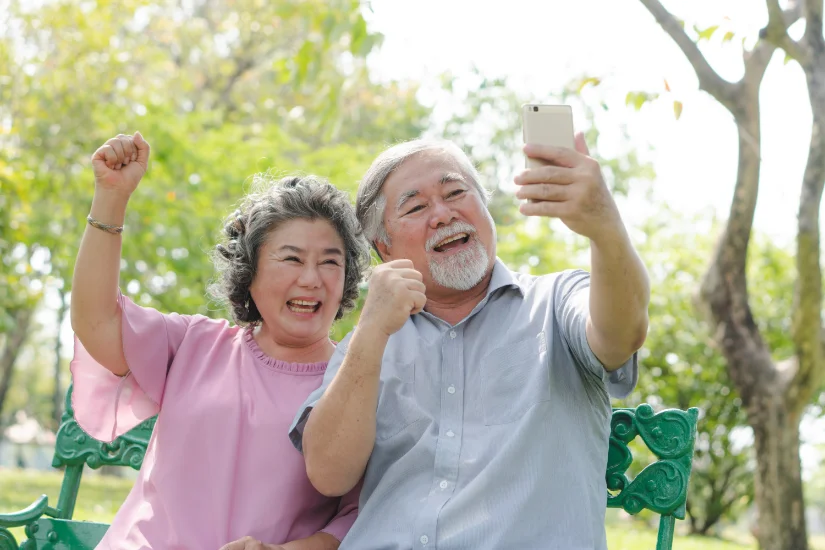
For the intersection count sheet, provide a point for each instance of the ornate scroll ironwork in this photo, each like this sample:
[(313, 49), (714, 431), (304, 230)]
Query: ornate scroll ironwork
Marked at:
[(74, 446), (662, 486)]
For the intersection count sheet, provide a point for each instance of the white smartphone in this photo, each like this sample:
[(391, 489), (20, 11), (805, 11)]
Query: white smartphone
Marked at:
[(547, 125)]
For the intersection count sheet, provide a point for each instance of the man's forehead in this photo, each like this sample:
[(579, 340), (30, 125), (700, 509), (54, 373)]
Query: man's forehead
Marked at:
[(431, 166)]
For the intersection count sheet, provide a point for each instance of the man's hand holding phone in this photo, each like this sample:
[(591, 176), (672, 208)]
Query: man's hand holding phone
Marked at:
[(568, 184)]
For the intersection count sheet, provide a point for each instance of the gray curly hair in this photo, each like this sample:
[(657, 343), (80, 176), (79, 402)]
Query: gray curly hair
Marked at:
[(270, 203)]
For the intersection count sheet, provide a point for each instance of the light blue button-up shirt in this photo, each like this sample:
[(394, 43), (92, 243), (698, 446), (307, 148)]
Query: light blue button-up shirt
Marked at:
[(493, 433)]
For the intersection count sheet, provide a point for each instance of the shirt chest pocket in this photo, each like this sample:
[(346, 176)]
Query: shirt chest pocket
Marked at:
[(397, 404), (514, 378)]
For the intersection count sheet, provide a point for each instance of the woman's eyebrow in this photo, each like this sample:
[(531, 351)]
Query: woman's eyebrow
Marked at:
[(298, 250)]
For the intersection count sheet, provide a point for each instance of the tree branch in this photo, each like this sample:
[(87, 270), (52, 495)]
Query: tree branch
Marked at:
[(776, 31), (709, 79)]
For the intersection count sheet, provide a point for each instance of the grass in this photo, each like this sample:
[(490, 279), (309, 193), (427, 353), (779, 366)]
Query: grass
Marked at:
[(100, 497)]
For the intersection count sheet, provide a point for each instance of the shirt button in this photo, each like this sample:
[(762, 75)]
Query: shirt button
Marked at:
[(424, 539), (450, 433), (451, 389), (452, 334), (443, 484)]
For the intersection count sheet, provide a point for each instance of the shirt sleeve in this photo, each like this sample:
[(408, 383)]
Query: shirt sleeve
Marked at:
[(296, 430), (340, 525), (572, 308), (106, 405)]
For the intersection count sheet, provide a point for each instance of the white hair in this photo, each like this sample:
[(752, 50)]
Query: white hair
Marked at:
[(371, 202)]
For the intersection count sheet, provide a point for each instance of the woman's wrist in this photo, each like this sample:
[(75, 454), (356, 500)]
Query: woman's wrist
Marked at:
[(109, 207)]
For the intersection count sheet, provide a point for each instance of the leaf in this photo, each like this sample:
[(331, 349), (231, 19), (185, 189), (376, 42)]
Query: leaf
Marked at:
[(638, 99), (728, 36), (677, 109), (302, 61), (787, 59), (360, 44), (707, 33), (588, 81)]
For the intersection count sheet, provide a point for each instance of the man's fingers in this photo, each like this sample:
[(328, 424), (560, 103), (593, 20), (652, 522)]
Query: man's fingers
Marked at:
[(416, 286), (557, 156), (581, 145), (400, 264), (246, 543), (544, 192), (419, 301), (410, 273), (546, 174), (545, 208)]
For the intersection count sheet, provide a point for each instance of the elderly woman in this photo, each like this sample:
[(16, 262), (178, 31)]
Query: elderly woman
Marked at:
[(219, 466)]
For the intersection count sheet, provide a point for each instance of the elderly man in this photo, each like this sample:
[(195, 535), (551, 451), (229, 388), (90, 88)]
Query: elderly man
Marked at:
[(474, 400)]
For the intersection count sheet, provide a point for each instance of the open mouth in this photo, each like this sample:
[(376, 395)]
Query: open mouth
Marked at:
[(452, 242), (303, 306)]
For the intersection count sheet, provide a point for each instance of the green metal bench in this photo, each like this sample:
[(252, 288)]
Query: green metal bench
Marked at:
[(52, 528), (660, 487)]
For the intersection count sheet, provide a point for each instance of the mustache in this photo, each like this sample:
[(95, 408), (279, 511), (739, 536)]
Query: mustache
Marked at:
[(448, 231)]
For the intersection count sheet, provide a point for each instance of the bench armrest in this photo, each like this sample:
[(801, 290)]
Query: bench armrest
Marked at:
[(30, 514)]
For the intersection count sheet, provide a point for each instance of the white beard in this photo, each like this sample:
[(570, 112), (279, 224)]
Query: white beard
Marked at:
[(461, 271)]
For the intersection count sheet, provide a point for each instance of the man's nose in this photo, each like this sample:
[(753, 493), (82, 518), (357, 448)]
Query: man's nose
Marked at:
[(442, 214)]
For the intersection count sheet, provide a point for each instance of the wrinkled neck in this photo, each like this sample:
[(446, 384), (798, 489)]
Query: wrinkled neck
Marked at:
[(309, 351)]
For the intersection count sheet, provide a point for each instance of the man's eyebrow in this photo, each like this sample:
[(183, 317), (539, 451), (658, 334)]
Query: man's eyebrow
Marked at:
[(452, 177), (298, 250), (449, 177), (405, 196)]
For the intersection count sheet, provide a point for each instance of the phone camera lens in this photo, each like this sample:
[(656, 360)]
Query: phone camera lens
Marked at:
[(535, 109)]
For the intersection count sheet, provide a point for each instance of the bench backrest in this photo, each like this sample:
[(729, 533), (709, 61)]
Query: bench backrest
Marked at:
[(662, 486)]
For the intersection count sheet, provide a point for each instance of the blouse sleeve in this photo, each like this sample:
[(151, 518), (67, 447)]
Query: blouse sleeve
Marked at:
[(106, 405), (340, 525)]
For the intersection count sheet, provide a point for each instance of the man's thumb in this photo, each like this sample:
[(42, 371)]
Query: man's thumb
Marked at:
[(581, 145)]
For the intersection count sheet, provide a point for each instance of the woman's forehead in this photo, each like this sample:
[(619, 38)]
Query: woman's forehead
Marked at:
[(314, 234)]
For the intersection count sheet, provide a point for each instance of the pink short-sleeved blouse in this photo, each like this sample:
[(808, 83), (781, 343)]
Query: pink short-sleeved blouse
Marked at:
[(219, 465)]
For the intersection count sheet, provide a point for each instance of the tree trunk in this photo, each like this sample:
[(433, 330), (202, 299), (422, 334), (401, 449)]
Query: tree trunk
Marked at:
[(57, 397), (781, 510), (775, 395), (14, 342)]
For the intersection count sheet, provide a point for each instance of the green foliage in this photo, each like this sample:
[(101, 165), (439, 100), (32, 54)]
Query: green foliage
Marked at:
[(682, 368), (220, 89)]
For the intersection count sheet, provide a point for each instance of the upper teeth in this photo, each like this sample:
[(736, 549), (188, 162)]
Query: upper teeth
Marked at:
[(448, 240), (303, 303)]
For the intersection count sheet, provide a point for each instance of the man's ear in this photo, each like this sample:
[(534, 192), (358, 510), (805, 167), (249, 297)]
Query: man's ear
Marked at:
[(383, 251)]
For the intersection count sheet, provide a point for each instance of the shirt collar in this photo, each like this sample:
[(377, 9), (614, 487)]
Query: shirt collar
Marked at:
[(503, 277)]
